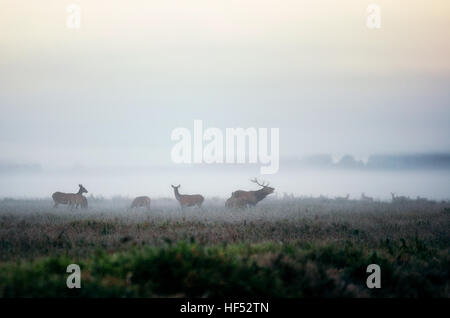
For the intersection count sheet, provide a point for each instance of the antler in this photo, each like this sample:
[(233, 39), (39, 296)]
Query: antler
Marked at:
[(264, 184)]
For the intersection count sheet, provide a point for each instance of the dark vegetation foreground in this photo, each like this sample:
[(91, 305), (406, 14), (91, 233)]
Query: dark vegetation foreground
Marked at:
[(283, 248)]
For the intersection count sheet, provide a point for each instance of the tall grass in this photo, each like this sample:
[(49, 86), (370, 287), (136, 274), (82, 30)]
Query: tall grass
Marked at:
[(284, 248)]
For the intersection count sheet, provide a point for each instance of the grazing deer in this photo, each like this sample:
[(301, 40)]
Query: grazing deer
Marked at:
[(424, 200), (242, 199), (187, 200), (366, 198), (72, 199), (343, 198), (143, 201)]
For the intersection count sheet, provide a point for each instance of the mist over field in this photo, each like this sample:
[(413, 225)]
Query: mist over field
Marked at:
[(423, 175), (221, 181)]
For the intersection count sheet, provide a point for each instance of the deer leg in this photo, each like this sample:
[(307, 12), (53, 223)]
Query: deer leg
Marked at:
[(183, 211)]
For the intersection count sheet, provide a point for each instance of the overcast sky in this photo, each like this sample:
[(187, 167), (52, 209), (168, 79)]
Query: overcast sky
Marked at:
[(111, 92)]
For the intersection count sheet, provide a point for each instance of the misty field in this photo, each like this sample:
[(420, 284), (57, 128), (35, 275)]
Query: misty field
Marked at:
[(291, 247)]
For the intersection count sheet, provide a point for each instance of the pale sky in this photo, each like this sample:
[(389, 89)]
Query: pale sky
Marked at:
[(112, 91)]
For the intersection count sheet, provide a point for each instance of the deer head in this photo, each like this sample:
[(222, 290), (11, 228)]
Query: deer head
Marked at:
[(175, 190), (82, 189), (265, 186)]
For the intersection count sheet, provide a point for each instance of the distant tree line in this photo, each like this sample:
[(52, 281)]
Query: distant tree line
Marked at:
[(388, 162)]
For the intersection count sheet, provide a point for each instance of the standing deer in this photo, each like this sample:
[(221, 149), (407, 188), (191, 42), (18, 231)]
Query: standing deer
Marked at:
[(242, 199), (366, 198), (143, 201), (187, 200), (72, 199)]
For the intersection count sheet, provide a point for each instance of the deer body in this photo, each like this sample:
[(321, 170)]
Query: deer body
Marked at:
[(366, 198), (142, 201), (71, 199), (343, 198), (187, 200), (397, 199), (242, 199)]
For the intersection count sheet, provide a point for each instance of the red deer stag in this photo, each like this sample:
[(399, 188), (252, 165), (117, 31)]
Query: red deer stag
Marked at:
[(143, 201), (188, 200), (71, 199), (242, 199)]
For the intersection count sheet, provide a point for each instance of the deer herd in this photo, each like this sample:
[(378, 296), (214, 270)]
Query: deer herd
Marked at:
[(238, 199)]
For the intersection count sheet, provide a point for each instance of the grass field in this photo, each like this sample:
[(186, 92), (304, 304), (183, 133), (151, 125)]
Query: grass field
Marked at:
[(297, 247)]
